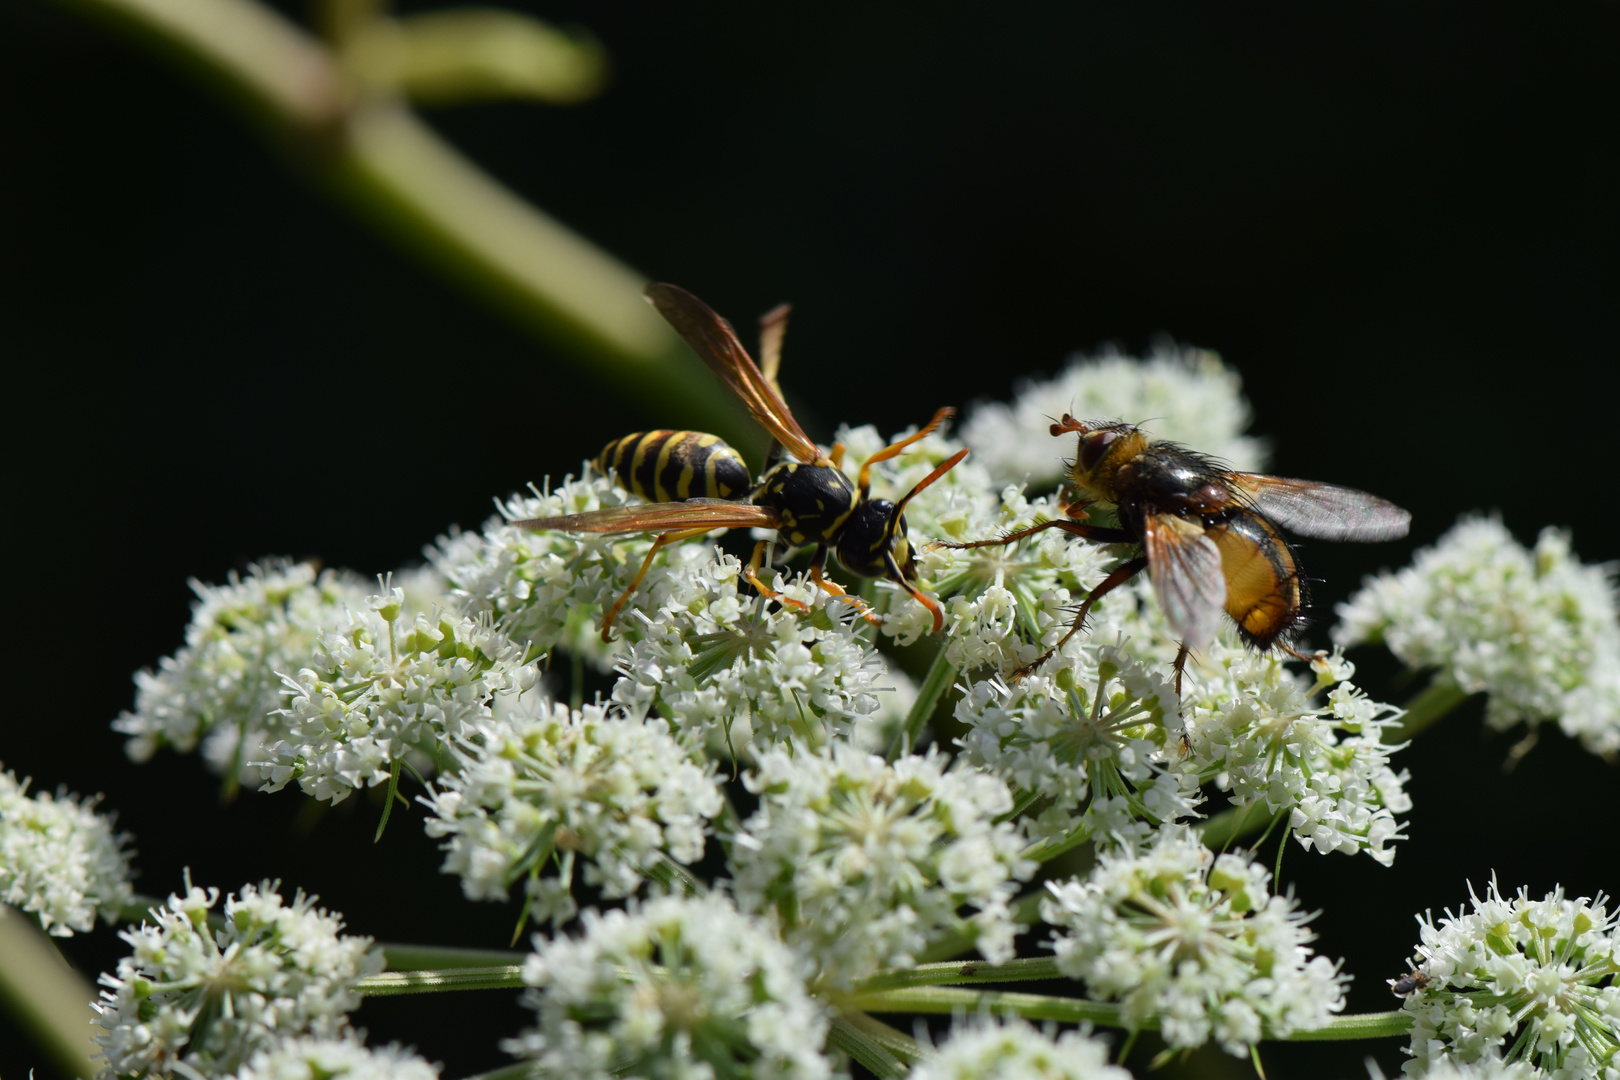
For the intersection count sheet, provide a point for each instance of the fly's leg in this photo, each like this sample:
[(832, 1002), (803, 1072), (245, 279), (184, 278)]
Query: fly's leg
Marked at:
[(1074, 528), (1121, 574)]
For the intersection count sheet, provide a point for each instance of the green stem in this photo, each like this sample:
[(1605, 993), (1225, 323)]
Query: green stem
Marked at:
[(1035, 967), (395, 983), (864, 1048), (44, 997), (1233, 823), (375, 155), (948, 1000), (1434, 701), (401, 957), (940, 675), (388, 801)]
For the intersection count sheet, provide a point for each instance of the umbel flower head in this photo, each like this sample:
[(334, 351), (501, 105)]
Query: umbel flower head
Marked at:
[(865, 863), (747, 675), (386, 686), (223, 689), (1093, 753), (1194, 941), (538, 784), (1260, 732), (675, 987), (191, 999), (544, 589), (1519, 980), (342, 1058), (59, 859), (985, 1048), (1533, 628)]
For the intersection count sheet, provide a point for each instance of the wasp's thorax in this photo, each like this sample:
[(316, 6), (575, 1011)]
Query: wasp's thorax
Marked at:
[(814, 500)]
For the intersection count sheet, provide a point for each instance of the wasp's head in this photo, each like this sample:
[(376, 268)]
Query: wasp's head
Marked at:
[(1104, 447), (874, 529)]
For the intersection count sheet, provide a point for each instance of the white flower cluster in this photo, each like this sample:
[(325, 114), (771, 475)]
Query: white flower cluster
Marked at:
[(1257, 730), (343, 1058), (1534, 629), (1483, 1069), (743, 672), (551, 588), (59, 859), (1194, 943), (537, 782), (386, 687), (865, 863), (223, 687), (1518, 979), (677, 987), (1181, 393), (1005, 604), (195, 1000), (1012, 1049), (1094, 754)]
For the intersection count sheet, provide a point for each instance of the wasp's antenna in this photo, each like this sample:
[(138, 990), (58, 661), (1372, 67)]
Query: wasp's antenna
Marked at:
[(944, 467), (893, 450)]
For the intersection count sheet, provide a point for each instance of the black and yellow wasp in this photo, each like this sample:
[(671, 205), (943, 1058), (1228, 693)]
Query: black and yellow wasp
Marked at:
[(807, 500)]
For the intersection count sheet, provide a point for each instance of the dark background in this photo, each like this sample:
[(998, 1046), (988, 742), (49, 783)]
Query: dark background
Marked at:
[(1398, 222)]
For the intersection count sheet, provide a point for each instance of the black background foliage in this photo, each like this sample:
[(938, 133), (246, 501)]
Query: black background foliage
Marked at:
[(1397, 221)]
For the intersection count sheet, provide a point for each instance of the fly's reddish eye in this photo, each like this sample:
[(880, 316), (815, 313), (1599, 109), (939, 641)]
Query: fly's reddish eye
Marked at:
[(1092, 450)]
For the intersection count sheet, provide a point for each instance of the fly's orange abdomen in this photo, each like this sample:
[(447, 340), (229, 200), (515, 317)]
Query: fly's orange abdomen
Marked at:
[(1263, 594)]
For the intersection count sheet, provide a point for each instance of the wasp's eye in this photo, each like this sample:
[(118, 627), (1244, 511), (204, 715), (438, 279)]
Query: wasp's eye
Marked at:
[(1092, 450)]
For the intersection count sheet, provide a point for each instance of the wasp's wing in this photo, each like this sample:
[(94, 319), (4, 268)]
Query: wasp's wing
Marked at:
[(1185, 566), (1322, 511), (661, 517), (713, 339)]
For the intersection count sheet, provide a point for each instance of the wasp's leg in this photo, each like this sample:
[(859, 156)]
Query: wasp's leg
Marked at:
[(646, 564), (1087, 532), (752, 574), (832, 588), (837, 455), (898, 576), (1121, 574)]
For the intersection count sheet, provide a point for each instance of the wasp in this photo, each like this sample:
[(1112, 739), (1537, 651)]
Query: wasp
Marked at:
[(1209, 537), (808, 500)]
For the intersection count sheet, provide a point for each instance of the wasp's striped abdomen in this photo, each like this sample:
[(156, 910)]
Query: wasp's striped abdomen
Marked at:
[(669, 466)]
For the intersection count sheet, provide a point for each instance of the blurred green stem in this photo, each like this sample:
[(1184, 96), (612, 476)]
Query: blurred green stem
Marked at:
[(1433, 702), (370, 151), (44, 996), (949, 1000)]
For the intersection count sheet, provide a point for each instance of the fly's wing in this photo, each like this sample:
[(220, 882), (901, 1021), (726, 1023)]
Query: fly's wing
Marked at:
[(713, 339), (661, 517), (1322, 511), (1185, 566)]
